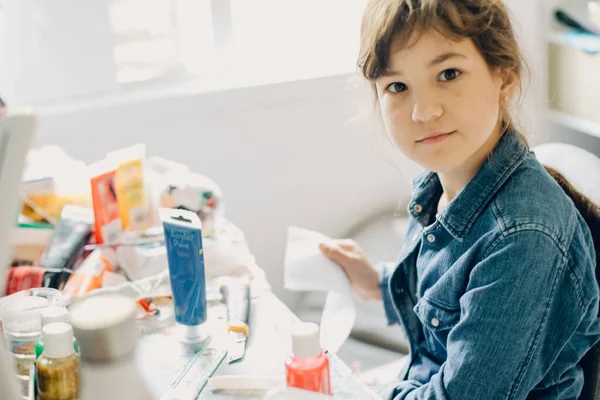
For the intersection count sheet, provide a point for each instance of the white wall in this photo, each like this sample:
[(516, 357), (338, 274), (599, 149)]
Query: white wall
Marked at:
[(528, 19), (284, 154)]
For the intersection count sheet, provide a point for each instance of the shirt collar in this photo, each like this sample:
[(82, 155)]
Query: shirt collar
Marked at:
[(460, 214)]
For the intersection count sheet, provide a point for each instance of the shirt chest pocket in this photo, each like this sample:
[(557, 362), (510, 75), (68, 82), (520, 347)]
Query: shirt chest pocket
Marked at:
[(437, 321)]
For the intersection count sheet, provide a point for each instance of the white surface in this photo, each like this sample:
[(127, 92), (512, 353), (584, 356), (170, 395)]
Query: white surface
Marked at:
[(286, 393), (58, 340), (245, 382), (528, 22), (126, 383), (307, 269)]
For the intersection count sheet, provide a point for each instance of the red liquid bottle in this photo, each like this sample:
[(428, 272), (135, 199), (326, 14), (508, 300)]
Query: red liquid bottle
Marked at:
[(308, 368)]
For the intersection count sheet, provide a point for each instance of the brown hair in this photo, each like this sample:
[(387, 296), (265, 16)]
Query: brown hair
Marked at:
[(487, 23)]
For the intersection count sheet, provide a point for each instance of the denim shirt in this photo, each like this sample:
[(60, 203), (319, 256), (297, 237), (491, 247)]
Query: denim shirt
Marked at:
[(497, 294)]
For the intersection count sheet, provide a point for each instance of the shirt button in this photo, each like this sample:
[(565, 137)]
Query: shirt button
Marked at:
[(430, 238), (435, 322), (417, 208)]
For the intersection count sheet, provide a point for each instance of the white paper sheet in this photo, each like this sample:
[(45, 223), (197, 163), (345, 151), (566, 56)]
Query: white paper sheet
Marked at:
[(307, 269)]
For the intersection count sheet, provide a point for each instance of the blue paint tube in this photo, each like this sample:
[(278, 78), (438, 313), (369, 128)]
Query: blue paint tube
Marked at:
[(183, 239)]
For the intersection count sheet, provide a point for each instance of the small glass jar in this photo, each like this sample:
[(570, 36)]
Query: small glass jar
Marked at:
[(58, 373)]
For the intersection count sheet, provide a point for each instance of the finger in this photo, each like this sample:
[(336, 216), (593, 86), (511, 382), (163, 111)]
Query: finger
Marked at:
[(337, 254), (347, 244)]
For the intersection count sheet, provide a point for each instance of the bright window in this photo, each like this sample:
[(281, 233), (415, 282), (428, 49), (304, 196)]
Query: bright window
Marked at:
[(69, 49)]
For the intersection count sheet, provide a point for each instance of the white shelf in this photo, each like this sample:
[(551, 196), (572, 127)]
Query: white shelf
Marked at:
[(576, 123)]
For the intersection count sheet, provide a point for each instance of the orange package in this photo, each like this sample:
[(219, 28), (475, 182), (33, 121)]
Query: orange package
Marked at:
[(108, 224), (90, 274)]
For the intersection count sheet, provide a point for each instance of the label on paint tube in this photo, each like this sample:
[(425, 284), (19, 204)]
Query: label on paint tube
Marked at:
[(183, 239), (70, 236)]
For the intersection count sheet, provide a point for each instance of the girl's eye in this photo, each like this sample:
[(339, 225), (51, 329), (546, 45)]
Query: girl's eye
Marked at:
[(449, 74), (396, 87)]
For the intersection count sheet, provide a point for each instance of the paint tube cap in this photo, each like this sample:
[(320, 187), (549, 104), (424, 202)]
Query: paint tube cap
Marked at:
[(305, 340), (105, 326), (58, 340)]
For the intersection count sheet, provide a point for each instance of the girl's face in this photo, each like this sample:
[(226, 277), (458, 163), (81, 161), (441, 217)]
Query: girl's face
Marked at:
[(440, 102)]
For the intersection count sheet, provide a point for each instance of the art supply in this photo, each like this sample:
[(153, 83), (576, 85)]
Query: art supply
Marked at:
[(52, 297), (134, 205), (89, 276), (106, 330), (50, 315), (183, 239), (25, 277), (308, 367), (58, 374), (194, 192), (237, 300), (22, 327), (106, 206), (70, 236), (142, 253)]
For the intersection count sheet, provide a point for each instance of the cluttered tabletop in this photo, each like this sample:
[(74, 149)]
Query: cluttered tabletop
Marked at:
[(141, 288)]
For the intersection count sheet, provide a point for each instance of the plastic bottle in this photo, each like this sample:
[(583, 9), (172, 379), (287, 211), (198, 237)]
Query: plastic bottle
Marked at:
[(58, 373), (51, 315), (106, 330), (308, 368)]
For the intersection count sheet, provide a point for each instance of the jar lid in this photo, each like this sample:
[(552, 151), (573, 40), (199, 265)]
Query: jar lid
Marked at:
[(306, 340), (58, 340), (105, 326)]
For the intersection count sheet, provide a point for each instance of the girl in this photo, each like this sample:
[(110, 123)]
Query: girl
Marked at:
[(495, 286)]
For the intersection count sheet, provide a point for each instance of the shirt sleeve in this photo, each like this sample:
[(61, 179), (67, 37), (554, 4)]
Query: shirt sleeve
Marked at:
[(518, 311)]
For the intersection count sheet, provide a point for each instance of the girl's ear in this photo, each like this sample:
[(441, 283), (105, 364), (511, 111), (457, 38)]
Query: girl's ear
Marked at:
[(509, 83)]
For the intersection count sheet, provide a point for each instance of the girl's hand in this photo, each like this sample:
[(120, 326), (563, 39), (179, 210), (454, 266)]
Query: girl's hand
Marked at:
[(363, 277)]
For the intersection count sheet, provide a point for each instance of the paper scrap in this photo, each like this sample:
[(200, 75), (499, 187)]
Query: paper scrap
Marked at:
[(307, 269)]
